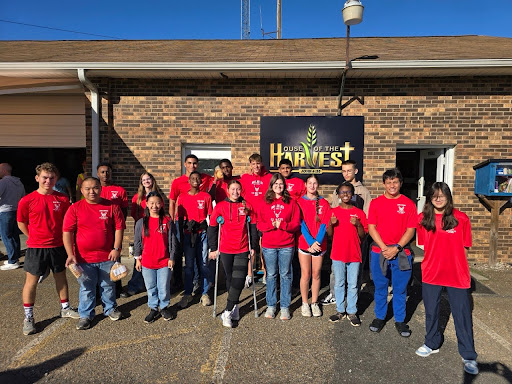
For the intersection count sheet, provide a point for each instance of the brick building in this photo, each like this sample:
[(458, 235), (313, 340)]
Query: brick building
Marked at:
[(432, 105)]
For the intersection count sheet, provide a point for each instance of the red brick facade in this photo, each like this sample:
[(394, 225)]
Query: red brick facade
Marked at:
[(146, 122)]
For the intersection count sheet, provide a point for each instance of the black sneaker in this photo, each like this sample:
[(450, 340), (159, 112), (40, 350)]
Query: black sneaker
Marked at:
[(168, 314), (354, 320), (337, 317), (377, 325), (83, 324), (403, 329), (153, 315)]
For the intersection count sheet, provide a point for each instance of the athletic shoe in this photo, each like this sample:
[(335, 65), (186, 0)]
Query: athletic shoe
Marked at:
[(248, 281), (126, 294), (185, 301), (425, 351), (270, 313), (403, 329), (44, 276), (205, 300), (354, 320), (6, 262), (226, 319), (285, 314), (337, 317), (264, 280), (168, 314), (471, 367), (115, 315), (329, 299), (83, 324), (235, 313), (315, 308), (306, 311), (69, 312), (8, 267), (29, 327), (152, 316), (377, 325)]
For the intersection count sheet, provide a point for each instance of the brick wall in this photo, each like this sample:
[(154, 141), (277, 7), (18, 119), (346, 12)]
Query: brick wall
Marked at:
[(146, 122)]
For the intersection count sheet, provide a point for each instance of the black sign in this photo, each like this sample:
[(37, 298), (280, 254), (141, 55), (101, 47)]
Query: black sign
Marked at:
[(316, 144)]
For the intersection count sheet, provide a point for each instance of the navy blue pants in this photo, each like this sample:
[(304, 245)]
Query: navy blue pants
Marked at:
[(461, 312)]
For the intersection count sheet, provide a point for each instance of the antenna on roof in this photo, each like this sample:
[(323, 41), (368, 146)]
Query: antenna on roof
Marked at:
[(263, 33), (245, 22)]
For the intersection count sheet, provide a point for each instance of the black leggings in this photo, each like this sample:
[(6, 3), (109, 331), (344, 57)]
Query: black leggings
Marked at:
[(235, 269)]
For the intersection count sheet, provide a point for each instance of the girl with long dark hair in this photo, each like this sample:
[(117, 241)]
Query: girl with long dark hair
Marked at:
[(446, 234)]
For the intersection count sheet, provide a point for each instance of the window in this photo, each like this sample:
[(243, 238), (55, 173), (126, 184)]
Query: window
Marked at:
[(209, 155)]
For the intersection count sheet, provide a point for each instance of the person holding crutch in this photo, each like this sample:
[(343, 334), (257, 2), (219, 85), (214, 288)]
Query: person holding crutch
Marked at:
[(233, 247), (278, 220)]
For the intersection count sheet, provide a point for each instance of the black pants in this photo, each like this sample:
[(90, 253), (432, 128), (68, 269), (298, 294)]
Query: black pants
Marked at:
[(461, 312), (235, 269)]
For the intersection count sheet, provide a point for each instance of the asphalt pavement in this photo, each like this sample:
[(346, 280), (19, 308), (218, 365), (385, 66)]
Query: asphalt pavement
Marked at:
[(196, 348)]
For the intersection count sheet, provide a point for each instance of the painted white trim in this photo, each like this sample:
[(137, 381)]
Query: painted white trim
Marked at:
[(95, 117)]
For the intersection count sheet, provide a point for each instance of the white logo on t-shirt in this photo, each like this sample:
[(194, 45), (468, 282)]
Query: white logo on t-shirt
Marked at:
[(277, 209), (56, 206), (290, 186), (114, 194), (256, 185), (162, 228), (103, 213), (200, 204), (241, 210), (451, 230), (401, 208)]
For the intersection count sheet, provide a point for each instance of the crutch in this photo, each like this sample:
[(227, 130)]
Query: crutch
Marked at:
[(250, 262), (220, 221)]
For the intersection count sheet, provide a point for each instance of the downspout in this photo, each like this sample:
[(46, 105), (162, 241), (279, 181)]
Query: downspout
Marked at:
[(95, 117)]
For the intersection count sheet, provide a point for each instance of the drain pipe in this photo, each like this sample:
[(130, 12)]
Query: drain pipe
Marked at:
[(95, 117)]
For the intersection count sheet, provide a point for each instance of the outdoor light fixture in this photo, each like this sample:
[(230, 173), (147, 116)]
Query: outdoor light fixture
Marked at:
[(352, 14)]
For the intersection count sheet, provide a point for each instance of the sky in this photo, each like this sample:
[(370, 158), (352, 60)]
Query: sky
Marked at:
[(220, 19)]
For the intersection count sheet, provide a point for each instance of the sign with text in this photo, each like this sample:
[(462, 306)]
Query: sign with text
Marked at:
[(316, 144)]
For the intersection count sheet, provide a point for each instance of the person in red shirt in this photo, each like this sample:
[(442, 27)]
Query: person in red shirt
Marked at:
[(278, 220), (391, 224), (147, 184), (40, 216), (93, 234), (445, 233), (254, 186), (347, 227), (233, 249), (110, 191), (221, 184), (312, 244), (194, 207), (154, 247)]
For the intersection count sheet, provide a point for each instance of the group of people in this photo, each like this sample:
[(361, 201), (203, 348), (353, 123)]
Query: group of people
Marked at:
[(233, 218)]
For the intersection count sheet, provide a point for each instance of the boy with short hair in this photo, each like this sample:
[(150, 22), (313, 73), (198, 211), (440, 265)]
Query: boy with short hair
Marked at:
[(295, 186), (111, 191), (221, 184), (93, 236), (40, 217), (391, 224)]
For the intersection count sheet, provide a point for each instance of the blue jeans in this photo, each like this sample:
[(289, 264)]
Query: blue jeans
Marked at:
[(158, 285), (94, 274), (351, 271), (197, 255), (10, 235), (136, 283), (278, 258), (399, 280)]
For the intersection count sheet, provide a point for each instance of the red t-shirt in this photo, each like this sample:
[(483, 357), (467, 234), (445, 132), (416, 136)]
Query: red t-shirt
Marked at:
[(233, 233), (392, 217), (445, 261), (116, 194), (346, 243), (137, 211), (221, 189), (296, 187), (284, 236), (94, 227), (194, 207), (43, 214), (254, 188), (155, 252), (180, 185), (308, 210)]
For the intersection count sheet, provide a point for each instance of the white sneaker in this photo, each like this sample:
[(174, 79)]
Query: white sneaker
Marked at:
[(235, 313), (226, 319), (306, 311), (8, 267), (329, 299), (315, 308), (248, 281), (264, 280), (270, 313), (205, 300)]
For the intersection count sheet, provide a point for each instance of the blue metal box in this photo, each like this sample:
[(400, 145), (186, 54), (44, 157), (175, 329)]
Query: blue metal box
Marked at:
[(494, 177)]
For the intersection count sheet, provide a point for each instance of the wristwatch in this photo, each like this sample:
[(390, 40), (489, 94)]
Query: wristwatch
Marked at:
[(117, 249), (399, 247)]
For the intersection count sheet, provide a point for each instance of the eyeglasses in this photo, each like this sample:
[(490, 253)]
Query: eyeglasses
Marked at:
[(344, 193), (440, 197)]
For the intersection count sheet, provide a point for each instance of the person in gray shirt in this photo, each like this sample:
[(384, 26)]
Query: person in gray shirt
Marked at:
[(11, 191)]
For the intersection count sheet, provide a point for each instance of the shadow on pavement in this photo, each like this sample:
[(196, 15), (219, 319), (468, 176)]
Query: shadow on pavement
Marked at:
[(498, 369), (34, 373)]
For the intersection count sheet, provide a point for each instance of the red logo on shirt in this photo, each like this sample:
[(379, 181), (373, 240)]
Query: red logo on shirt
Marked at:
[(56, 206), (103, 213), (200, 204), (401, 208), (114, 194)]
